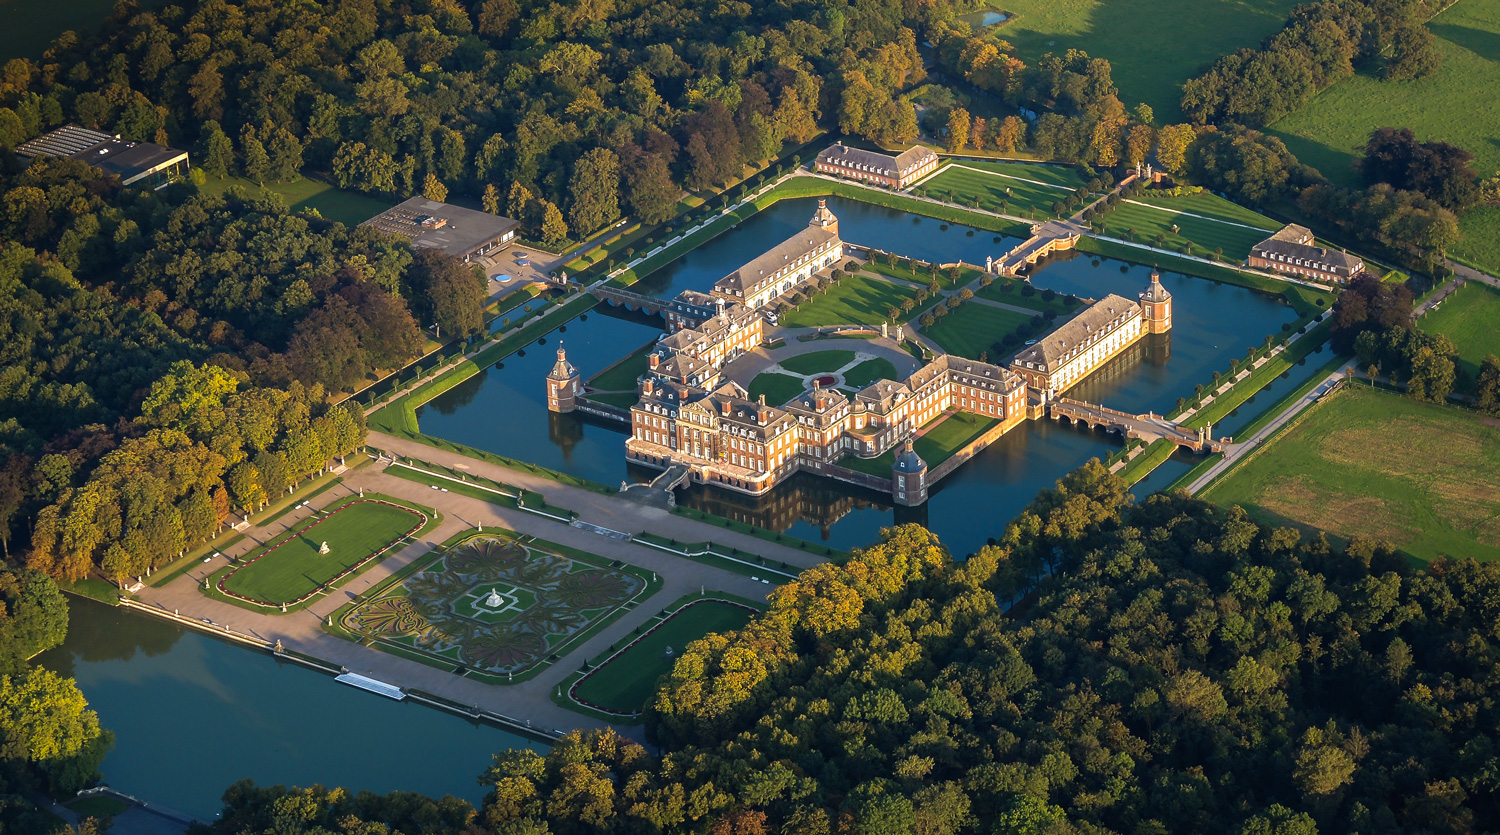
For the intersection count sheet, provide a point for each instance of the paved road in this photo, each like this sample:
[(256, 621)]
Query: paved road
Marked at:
[(1471, 274), (302, 631), (1237, 451)]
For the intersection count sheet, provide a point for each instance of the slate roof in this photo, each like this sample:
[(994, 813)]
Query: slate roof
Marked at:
[(876, 162), (751, 277), (1052, 350)]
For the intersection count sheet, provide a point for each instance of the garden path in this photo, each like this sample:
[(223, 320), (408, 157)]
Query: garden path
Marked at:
[(526, 701), (752, 363)]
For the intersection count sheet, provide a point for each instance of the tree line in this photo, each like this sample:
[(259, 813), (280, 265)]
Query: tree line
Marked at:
[(1166, 666)]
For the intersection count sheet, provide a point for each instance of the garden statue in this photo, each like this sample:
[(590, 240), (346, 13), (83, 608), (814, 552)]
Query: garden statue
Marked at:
[(324, 548), (494, 601), (669, 652)]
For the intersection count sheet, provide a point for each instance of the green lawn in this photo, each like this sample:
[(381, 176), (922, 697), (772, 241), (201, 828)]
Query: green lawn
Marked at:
[(1152, 49), (1471, 318), (623, 399), (962, 186), (1013, 292), (1481, 242), (623, 374), (98, 806), (1421, 476), (869, 371), (778, 388), (291, 566), (946, 435), (628, 680), (818, 361), (305, 194), (855, 300), (1212, 205), (972, 329), (1159, 218), (1065, 177), (1459, 104)]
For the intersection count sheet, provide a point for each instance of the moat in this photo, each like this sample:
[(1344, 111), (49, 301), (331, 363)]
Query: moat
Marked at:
[(504, 408)]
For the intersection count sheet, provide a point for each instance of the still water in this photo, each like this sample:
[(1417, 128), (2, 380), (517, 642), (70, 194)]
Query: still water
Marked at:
[(191, 715), (504, 411)]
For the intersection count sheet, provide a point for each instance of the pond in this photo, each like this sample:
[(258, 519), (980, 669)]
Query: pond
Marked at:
[(503, 410), (986, 17), (191, 716)]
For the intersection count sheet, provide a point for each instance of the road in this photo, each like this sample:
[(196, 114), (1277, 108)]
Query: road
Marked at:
[(1239, 450)]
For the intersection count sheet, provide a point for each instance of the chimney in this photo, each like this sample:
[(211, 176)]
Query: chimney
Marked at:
[(724, 407), (648, 386), (655, 360), (762, 400)]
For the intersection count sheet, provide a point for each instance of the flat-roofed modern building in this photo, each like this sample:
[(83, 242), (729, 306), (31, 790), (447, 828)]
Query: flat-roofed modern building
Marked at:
[(898, 171), (465, 234), (144, 164)]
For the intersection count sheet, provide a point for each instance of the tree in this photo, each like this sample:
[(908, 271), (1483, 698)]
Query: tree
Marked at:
[(491, 199), (958, 129), (1172, 145), (1431, 376), (495, 16), (433, 188), (256, 163), (1138, 144), (449, 293), (35, 617), (283, 154), (595, 187), (554, 228), (216, 151), (518, 203), (45, 722), (1414, 54), (1010, 134), (650, 191)]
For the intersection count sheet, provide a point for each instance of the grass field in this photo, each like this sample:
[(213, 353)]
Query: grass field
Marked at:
[(1013, 292), (945, 435), (1424, 477), (855, 300), (778, 388), (1152, 50), (971, 329), (1065, 177), (818, 361), (623, 374), (1159, 218), (305, 194), (1214, 206), (1471, 318), (869, 371), (961, 185), (1480, 246), (98, 806), (1459, 104), (291, 567), (628, 680)]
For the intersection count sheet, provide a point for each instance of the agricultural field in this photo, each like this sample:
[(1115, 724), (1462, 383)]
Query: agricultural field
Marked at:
[(293, 567), (1142, 223), (1471, 318), (855, 300), (346, 207), (624, 683), (940, 439), (1422, 476), (973, 328), (1458, 104), (1152, 50), (995, 192)]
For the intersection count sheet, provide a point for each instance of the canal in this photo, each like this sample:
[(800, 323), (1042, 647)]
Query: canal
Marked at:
[(192, 714), (503, 410)]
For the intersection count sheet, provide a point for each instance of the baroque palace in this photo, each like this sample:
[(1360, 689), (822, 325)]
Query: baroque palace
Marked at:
[(690, 414)]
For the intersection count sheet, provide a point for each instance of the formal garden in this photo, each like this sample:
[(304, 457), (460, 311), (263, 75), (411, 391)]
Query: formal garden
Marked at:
[(619, 684), (1365, 462), (323, 553), (494, 605), (1015, 189), (843, 369)]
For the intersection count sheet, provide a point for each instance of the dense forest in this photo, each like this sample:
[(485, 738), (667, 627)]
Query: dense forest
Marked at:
[(1171, 667)]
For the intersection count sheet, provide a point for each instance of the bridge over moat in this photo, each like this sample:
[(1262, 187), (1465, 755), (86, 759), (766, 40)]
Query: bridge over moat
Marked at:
[(1147, 427), (630, 300)]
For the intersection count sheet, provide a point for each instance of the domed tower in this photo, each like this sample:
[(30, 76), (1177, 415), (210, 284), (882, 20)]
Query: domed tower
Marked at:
[(1156, 306), (824, 218), (909, 477), (563, 387)]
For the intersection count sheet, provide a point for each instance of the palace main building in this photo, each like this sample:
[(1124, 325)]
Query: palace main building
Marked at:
[(689, 414), (897, 171)]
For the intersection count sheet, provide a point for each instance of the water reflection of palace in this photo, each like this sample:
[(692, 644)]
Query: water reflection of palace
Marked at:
[(802, 498)]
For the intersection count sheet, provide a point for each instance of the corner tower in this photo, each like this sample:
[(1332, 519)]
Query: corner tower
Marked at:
[(1156, 306), (909, 477), (824, 218), (562, 384)]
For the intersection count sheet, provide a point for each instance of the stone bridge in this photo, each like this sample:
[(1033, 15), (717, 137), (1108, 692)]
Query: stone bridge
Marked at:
[(630, 300), (1046, 238), (1147, 427)]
